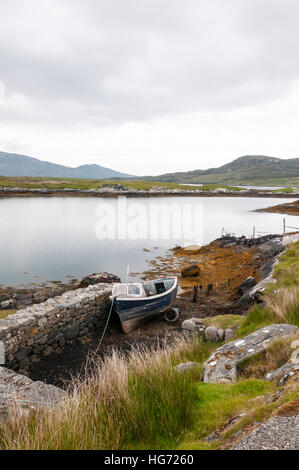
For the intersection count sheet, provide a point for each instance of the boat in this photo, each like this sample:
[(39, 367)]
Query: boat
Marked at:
[(136, 302)]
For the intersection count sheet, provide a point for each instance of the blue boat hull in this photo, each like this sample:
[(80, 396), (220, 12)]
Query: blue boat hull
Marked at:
[(134, 312)]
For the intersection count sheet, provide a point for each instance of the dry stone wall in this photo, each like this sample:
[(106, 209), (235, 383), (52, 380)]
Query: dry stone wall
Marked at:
[(42, 328)]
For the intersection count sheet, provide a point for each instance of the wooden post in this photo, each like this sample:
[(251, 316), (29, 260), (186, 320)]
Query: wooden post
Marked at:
[(195, 293)]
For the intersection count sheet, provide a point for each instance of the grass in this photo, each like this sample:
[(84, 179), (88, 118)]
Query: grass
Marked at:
[(216, 404), (5, 313), (73, 183), (225, 321)]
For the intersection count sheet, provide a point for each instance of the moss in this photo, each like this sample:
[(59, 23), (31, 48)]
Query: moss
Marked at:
[(5, 313), (225, 321)]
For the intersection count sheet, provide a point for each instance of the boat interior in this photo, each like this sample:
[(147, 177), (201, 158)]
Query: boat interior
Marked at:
[(146, 289)]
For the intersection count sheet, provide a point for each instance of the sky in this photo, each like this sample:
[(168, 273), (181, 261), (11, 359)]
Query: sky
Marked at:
[(149, 86)]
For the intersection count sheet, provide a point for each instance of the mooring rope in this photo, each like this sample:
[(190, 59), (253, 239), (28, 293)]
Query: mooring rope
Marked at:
[(108, 318)]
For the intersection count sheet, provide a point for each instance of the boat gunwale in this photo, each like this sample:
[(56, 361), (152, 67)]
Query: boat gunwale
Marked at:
[(121, 299)]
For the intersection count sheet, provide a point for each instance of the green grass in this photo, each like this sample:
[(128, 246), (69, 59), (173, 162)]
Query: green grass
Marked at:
[(5, 313), (216, 404), (225, 321), (283, 190)]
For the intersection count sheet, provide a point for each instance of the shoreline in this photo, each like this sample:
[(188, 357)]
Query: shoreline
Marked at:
[(290, 208), (36, 192)]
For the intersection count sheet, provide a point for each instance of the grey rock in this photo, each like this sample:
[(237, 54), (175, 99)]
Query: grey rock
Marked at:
[(228, 333), (220, 334), (281, 375), (189, 325), (246, 285), (211, 333), (16, 389), (222, 364)]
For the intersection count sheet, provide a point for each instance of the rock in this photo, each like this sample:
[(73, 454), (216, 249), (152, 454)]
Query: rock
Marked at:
[(228, 333), (189, 325), (281, 375), (16, 389), (295, 344), (246, 285), (191, 271), (186, 366), (7, 303), (211, 333), (97, 278), (220, 334), (294, 359), (221, 367)]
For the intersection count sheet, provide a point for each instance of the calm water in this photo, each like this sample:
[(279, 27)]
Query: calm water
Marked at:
[(50, 238)]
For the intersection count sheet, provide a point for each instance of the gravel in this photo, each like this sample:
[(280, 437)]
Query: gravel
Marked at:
[(278, 433)]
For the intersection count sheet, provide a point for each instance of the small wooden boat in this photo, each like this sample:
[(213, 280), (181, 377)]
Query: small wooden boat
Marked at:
[(135, 302)]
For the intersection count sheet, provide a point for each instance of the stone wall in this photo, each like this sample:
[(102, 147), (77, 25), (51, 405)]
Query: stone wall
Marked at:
[(42, 328)]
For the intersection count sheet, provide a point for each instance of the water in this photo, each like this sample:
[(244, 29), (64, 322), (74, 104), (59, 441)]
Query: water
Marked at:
[(50, 238)]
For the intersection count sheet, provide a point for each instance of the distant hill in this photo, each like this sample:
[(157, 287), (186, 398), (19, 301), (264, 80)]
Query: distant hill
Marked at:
[(12, 164), (246, 170)]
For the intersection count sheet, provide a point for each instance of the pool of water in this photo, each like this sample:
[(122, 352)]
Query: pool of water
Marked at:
[(52, 238)]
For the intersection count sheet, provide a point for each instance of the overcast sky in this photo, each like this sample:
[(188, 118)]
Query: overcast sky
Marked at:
[(149, 86)]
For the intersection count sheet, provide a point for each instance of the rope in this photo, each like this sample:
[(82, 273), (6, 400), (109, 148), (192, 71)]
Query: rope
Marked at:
[(108, 318)]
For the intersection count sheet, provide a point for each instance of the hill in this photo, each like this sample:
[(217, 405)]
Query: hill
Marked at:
[(12, 164), (246, 170)]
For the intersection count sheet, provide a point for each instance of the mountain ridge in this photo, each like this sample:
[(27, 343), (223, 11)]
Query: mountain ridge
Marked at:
[(13, 164), (248, 169)]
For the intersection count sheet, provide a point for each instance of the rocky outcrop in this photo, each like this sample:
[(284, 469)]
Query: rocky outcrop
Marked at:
[(18, 390), (221, 367), (42, 328), (98, 278)]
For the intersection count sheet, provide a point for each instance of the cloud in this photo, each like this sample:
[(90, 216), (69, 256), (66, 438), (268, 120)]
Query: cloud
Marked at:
[(94, 64)]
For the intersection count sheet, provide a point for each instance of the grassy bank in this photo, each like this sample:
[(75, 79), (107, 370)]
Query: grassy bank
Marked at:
[(143, 403)]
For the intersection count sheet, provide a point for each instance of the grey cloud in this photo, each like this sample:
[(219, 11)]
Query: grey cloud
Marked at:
[(120, 60)]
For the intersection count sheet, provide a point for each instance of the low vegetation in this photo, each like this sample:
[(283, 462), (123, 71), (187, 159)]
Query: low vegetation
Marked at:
[(73, 183), (5, 313), (141, 402)]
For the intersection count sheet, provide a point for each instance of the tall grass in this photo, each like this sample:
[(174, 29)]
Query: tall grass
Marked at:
[(137, 403)]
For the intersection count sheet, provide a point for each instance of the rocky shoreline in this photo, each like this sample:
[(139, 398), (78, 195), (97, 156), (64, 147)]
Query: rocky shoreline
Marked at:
[(291, 208), (112, 192)]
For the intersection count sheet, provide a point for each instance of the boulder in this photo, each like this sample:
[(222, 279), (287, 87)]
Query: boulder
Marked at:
[(211, 333), (16, 389), (189, 325), (220, 334), (247, 285), (228, 333), (98, 278), (221, 367), (191, 271)]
